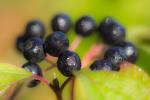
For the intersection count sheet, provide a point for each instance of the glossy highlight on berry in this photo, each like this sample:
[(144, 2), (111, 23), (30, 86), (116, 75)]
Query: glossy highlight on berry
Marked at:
[(35, 69), (35, 28), (56, 43), (111, 31), (85, 26), (115, 55), (68, 62), (61, 22), (34, 50), (101, 65), (130, 50)]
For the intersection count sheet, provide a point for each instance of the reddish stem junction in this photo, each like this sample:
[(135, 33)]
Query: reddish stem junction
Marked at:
[(93, 52)]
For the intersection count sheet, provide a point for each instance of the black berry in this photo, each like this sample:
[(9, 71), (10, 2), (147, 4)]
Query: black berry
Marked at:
[(68, 62), (111, 31), (61, 22), (130, 50), (35, 28), (101, 65), (34, 50), (56, 43), (35, 69), (115, 55), (20, 43), (85, 26), (33, 83)]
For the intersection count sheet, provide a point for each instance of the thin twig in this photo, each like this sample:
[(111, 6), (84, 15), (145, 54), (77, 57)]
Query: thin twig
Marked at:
[(75, 43), (72, 89), (42, 79), (92, 53), (16, 91), (56, 91), (50, 67), (50, 58), (65, 83)]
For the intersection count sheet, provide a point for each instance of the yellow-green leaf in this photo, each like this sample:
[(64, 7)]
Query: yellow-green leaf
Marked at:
[(9, 74), (131, 83)]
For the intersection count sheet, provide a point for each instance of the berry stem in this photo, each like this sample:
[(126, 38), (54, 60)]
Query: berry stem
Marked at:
[(72, 89), (49, 68), (41, 79), (15, 92), (95, 50), (50, 59), (58, 91), (65, 83), (75, 43)]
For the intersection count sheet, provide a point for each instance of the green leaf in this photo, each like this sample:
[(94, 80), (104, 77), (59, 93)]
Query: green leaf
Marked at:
[(140, 36), (9, 74), (131, 83)]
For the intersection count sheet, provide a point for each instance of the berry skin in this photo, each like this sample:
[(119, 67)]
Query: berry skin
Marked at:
[(35, 69), (56, 43), (33, 83), (101, 65), (115, 55), (68, 62), (34, 50), (20, 43), (85, 26), (61, 22), (130, 50), (111, 31), (35, 28)]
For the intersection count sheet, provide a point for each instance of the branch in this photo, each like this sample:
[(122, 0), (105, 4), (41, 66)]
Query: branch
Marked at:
[(65, 83)]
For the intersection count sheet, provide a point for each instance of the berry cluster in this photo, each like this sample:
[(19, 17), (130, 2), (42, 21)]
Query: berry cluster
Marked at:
[(113, 34), (35, 49)]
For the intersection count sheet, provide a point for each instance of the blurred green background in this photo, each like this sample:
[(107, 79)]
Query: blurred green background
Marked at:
[(14, 14)]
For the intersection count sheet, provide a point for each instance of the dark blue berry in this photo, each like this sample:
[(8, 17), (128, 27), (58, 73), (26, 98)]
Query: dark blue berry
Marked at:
[(56, 43), (61, 22), (111, 31), (34, 50), (101, 65), (85, 26), (115, 55), (35, 69), (68, 62), (130, 50), (20, 43), (33, 83), (35, 28)]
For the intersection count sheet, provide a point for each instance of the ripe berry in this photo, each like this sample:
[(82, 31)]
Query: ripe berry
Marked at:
[(56, 43), (35, 69), (20, 43), (111, 31), (85, 26), (35, 28), (33, 50), (61, 22), (68, 62), (33, 83), (101, 65), (115, 55), (130, 50)]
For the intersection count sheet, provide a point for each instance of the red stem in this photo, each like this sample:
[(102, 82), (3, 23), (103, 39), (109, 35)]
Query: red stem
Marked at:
[(41, 79), (75, 43)]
